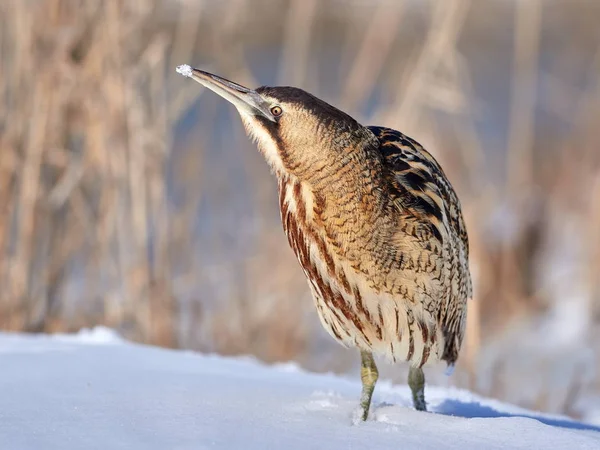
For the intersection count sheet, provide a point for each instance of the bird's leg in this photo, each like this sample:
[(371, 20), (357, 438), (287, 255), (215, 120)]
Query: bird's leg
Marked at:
[(416, 381), (368, 375)]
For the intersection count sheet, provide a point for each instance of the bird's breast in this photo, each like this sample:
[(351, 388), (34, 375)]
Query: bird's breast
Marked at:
[(355, 300)]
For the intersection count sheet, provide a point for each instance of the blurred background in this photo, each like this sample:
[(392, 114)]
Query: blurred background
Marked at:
[(130, 197)]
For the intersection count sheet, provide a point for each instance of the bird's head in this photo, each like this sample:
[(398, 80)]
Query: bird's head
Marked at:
[(296, 132)]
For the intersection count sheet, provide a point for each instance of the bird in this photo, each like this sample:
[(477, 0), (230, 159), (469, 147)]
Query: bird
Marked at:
[(374, 222)]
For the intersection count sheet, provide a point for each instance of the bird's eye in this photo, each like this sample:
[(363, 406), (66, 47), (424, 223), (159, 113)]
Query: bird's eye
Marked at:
[(276, 111)]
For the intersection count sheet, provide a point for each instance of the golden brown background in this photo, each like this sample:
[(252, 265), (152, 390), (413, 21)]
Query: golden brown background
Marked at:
[(130, 197)]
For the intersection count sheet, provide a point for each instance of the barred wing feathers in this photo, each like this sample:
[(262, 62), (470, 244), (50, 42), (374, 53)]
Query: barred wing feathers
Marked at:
[(430, 211)]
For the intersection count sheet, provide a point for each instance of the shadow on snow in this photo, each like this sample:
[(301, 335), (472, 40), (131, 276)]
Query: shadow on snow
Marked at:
[(477, 410)]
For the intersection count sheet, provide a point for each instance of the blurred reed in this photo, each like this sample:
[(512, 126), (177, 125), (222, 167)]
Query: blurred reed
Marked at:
[(91, 233), (86, 128)]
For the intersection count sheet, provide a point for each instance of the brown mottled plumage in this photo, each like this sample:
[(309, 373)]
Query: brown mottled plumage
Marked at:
[(374, 223)]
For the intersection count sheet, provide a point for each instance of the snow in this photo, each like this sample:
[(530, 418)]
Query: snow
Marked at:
[(95, 391), (184, 70), (97, 335)]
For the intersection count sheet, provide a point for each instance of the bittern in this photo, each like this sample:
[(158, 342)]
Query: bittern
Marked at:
[(374, 223)]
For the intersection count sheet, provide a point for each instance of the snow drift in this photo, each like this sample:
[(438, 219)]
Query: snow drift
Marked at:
[(95, 391)]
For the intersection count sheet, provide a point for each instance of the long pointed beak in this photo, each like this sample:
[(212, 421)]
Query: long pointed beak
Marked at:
[(244, 99)]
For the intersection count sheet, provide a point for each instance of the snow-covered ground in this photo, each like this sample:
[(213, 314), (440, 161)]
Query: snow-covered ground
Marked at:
[(95, 391)]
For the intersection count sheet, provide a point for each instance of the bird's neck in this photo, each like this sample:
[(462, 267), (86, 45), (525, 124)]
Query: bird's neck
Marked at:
[(347, 197), (354, 175)]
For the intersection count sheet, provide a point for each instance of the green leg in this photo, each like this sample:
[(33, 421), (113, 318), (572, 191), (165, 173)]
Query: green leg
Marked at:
[(368, 375), (416, 381)]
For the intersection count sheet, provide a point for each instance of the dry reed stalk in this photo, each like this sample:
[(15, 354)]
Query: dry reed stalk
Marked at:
[(521, 127), (584, 120), (372, 54), (528, 18), (447, 19), (298, 27)]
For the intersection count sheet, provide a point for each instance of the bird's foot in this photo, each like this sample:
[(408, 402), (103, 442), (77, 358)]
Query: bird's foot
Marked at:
[(365, 403), (416, 381), (359, 415), (419, 400), (368, 375)]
